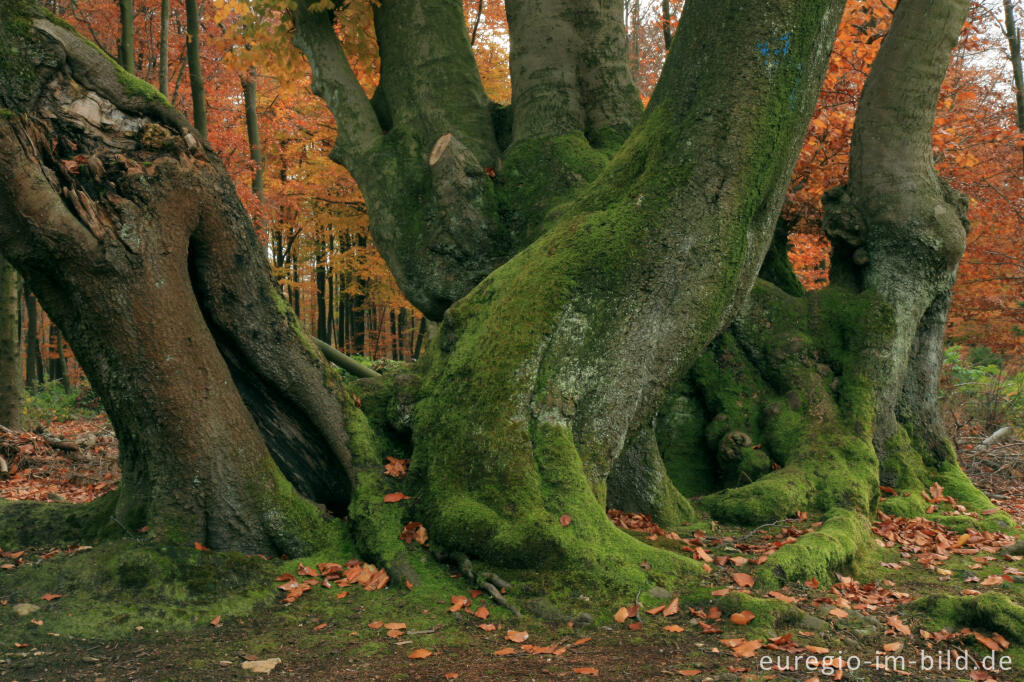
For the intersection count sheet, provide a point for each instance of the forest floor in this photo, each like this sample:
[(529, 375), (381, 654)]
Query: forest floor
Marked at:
[(896, 613)]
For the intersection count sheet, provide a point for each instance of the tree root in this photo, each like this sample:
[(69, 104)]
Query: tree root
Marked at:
[(488, 582), (818, 554), (35, 524)]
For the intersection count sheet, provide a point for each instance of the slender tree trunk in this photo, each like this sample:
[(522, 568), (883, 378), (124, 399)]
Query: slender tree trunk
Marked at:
[(1013, 38), (195, 69), (126, 48), (165, 18), (320, 277), (33, 358), (666, 22), (62, 363), (10, 348), (252, 127)]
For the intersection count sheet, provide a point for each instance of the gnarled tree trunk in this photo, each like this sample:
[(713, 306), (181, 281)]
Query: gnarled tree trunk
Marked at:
[(129, 231)]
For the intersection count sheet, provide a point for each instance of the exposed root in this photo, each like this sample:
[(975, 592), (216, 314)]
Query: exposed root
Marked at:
[(818, 554)]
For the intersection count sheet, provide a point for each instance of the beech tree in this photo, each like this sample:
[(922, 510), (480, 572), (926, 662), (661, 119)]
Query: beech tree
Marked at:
[(605, 336)]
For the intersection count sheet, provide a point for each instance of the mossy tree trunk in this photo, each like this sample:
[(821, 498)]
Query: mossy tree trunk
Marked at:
[(553, 367), (811, 402)]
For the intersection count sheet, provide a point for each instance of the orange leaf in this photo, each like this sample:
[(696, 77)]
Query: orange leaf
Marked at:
[(458, 601), (376, 625), (838, 613), (565, 519), (451, 676), (488, 627), (394, 626), (396, 497), (201, 548), (482, 613), (507, 651), (635, 626), (215, 622), (585, 671), (621, 615), (420, 653), (673, 628), (672, 608), (516, 636), (783, 597), (50, 597), (743, 579), (742, 618), (689, 673), (320, 627)]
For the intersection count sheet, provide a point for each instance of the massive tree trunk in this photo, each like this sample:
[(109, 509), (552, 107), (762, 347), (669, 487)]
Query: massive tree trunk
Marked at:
[(557, 361), (836, 389), (129, 231)]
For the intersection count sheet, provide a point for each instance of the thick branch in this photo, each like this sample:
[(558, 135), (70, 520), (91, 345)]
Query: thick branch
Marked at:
[(337, 85)]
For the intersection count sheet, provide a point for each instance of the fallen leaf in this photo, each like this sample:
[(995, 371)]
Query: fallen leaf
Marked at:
[(264, 666), (451, 676), (396, 497), (585, 671), (488, 627), (565, 519), (517, 636), (458, 601), (742, 618), (396, 468), (420, 653), (320, 627), (782, 597), (394, 626), (215, 622), (482, 613), (395, 634), (672, 608), (673, 628), (743, 579), (51, 597), (838, 613), (507, 651), (207, 549), (621, 615), (892, 646), (635, 626), (376, 625), (689, 673)]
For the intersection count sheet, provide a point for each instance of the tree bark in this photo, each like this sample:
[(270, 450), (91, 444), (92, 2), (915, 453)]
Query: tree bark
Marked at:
[(10, 348)]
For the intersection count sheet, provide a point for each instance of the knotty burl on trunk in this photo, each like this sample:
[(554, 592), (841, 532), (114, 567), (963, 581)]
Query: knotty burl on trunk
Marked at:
[(576, 288)]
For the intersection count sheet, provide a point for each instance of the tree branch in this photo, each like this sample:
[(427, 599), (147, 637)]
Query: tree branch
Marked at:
[(337, 85)]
